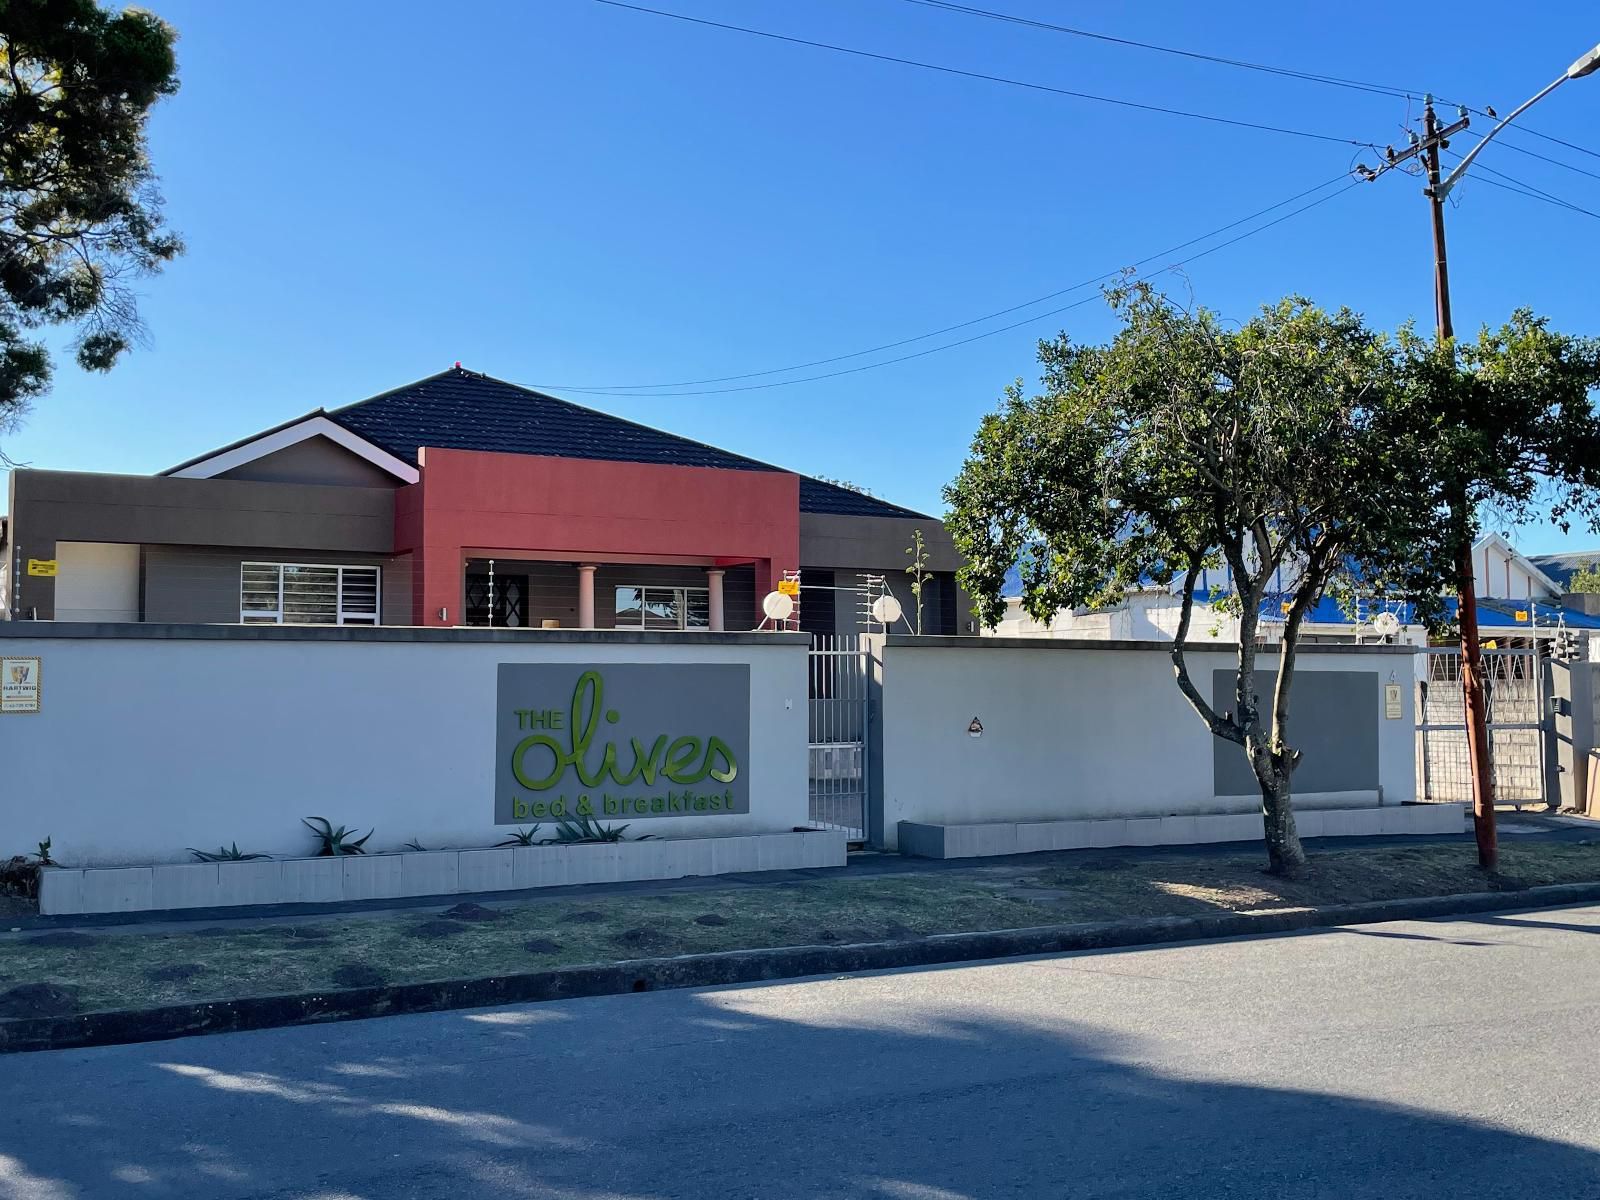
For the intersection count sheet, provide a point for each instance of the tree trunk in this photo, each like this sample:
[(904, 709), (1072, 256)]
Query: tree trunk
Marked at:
[(1483, 823), (1285, 854)]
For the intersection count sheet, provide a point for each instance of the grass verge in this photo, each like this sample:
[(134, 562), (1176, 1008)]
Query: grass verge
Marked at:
[(65, 971)]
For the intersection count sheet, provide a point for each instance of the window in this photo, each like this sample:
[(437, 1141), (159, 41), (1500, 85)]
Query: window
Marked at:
[(663, 608), (304, 594)]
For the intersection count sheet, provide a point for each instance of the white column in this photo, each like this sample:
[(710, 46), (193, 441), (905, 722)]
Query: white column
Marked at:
[(586, 596), (714, 595)]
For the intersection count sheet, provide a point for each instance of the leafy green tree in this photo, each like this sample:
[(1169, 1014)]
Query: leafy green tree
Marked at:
[(80, 215), (1185, 445), (1585, 579), (1505, 427)]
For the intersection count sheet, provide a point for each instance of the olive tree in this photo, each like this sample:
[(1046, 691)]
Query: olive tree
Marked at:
[(1184, 445)]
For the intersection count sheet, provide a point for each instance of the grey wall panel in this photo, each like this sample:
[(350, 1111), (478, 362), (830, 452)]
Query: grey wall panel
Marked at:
[(1333, 721), (73, 506), (872, 543), (184, 584), (852, 546), (315, 460)]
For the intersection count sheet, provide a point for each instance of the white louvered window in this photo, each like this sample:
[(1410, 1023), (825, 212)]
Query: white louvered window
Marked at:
[(307, 594)]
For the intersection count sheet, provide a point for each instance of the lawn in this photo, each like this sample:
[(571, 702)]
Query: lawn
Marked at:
[(76, 971)]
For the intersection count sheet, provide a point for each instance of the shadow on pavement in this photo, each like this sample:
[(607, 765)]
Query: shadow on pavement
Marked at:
[(710, 1094)]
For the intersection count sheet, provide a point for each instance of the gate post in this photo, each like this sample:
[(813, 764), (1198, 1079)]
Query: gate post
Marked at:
[(1572, 732), (872, 645)]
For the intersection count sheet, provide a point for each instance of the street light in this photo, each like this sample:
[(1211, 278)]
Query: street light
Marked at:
[(1426, 148), (1587, 65)]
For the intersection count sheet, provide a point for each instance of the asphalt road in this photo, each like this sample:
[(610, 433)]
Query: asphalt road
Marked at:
[(1443, 1059)]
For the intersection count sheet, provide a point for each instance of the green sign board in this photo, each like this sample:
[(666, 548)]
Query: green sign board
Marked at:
[(621, 741)]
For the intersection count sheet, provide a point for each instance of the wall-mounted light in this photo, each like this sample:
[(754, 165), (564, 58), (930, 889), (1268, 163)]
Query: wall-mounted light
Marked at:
[(444, 614)]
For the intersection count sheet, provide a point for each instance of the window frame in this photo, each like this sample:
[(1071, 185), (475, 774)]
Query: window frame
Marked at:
[(342, 615), (681, 593)]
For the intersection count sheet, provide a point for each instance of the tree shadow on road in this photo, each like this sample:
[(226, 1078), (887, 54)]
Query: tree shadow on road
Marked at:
[(831, 1088)]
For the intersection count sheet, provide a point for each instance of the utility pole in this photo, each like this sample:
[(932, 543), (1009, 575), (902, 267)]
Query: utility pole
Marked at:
[(1463, 520)]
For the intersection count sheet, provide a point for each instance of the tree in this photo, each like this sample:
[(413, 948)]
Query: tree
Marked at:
[(1505, 426), (1184, 445), (1585, 579), (80, 215)]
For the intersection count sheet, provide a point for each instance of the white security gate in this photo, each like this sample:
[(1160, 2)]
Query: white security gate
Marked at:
[(838, 733), (1515, 693)]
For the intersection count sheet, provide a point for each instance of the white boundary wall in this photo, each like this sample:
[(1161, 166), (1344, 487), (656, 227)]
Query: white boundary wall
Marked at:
[(1082, 731), (152, 738)]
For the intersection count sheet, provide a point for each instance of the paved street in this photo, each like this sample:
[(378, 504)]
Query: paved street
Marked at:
[(1448, 1059)]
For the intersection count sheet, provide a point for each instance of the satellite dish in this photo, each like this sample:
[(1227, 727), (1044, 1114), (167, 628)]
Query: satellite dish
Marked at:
[(777, 606), (886, 610), (1386, 623)]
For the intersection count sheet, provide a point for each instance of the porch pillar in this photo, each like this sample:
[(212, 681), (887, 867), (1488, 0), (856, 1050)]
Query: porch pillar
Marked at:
[(586, 596), (714, 596)]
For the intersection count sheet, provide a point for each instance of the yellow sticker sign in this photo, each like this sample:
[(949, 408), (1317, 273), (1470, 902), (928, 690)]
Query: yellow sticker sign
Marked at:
[(1522, 614), (42, 566), (789, 587)]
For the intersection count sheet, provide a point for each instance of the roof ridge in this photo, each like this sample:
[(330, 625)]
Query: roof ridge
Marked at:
[(458, 372)]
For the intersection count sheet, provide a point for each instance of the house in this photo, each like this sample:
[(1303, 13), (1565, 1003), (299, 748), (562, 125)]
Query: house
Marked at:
[(1520, 600), (464, 500)]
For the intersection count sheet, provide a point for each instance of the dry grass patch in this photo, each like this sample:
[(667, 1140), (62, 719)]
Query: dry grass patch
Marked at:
[(127, 967)]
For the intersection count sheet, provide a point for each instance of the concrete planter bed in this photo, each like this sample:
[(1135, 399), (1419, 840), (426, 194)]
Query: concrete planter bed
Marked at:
[(66, 890), (952, 840)]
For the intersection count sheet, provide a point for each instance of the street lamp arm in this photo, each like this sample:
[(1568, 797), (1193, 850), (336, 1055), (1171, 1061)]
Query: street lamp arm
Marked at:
[(1450, 180), (1585, 65)]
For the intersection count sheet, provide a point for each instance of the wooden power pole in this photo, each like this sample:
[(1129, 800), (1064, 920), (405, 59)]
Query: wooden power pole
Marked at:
[(1463, 520)]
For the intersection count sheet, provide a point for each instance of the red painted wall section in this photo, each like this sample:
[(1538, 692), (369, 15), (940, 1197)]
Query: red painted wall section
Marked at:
[(587, 510)]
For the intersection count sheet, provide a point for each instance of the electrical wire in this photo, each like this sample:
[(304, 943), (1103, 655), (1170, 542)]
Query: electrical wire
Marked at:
[(1308, 76), (1500, 141), (1359, 85), (1510, 183), (646, 388), (965, 74), (1536, 194), (751, 387)]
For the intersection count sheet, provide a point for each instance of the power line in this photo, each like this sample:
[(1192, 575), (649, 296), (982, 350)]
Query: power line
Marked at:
[(1535, 154), (1547, 137), (965, 74), (751, 387), (1380, 89), (1548, 199), (1308, 76), (1521, 184), (1533, 193), (645, 388)]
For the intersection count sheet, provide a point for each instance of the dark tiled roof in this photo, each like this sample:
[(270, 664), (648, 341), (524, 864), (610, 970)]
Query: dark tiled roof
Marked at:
[(1561, 567), (463, 410)]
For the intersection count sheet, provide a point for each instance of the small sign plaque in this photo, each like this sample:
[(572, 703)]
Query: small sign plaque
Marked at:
[(1393, 709), (19, 685), (788, 587), (42, 566)]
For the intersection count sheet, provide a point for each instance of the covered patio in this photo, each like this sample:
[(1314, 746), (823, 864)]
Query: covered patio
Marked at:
[(515, 590)]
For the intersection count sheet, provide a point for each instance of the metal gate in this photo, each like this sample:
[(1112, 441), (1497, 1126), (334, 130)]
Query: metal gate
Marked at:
[(1515, 691), (838, 733)]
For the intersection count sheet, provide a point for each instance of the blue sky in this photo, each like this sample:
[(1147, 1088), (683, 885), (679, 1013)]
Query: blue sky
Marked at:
[(557, 192)]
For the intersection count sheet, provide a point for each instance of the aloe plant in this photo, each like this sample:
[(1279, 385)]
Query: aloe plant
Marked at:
[(522, 837), (586, 830), (335, 841), (225, 854)]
